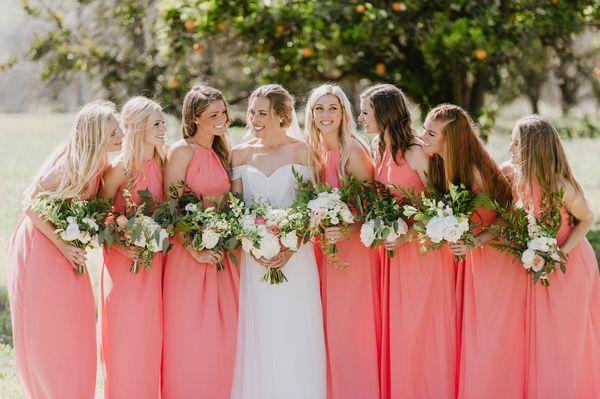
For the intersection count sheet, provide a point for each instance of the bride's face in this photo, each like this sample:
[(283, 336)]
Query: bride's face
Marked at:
[(263, 119)]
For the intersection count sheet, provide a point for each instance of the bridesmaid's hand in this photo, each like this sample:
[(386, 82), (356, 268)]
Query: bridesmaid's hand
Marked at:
[(206, 256), (333, 234), (391, 246), (459, 248), (75, 256), (128, 252)]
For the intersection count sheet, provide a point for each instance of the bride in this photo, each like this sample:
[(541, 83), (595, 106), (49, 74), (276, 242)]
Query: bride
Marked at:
[(280, 345)]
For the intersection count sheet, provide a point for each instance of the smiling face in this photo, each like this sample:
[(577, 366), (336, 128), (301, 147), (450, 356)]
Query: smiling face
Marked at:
[(433, 137), (327, 113), (214, 120), (367, 117), (261, 117), (155, 130), (115, 136)]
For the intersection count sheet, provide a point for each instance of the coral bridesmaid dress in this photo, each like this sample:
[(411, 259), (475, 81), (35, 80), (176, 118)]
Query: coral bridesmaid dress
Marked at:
[(564, 325), (53, 316), (130, 314), (419, 308), (200, 305), (492, 287), (351, 311)]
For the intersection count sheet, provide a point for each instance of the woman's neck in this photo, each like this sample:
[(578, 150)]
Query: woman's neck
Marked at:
[(203, 140), (149, 151), (331, 141), (273, 138)]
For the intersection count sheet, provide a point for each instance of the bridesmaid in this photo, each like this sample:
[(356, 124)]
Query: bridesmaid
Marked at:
[(200, 302), (491, 287), (131, 304), (564, 319), (52, 308), (419, 299), (350, 296)]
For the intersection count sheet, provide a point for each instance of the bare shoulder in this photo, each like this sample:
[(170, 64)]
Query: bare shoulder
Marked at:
[(416, 157), (241, 152), (569, 191), (50, 180), (299, 150), (180, 149), (115, 171)]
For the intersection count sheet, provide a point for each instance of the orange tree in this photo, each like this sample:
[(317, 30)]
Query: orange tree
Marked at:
[(442, 51)]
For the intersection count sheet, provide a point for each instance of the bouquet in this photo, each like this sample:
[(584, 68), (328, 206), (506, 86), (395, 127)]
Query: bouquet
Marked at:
[(445, 218), (532, 240), (212, 227), (139, 227), (327, 206), (78, 222), (265, 232), (385, 220)]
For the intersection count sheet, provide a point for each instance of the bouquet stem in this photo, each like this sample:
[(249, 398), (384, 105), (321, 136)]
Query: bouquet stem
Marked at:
[(459, 258), (79, 270), (390, 253), (135, 267), (331, 249), (274, 276), (220, 265)]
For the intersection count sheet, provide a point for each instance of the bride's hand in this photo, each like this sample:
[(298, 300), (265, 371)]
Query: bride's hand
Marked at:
[(277, 262)]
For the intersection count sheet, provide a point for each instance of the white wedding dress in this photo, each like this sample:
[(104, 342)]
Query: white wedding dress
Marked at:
[(280, 345)]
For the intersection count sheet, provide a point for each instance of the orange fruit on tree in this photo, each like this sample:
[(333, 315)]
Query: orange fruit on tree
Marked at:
[(361, 9), (189, 25), (199, 48), (480, 54), (398, 6), (172, 83), (222, 26), (307, 52), (380, 68), (280, 29)]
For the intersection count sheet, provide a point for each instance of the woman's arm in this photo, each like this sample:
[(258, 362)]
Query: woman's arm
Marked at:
[(178, 159), (580, 208)]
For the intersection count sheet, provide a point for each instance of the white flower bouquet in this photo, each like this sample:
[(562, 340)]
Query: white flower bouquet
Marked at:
[(78, 222)]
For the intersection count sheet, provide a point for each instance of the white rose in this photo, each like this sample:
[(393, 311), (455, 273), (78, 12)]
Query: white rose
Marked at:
[(290, 240), (141, 241), (71, 233), (335, 221), (347, 216), (538, 244), (527, 258), (71, 220), (367, 233), (269, 246), (84, 237), (191, 207), (210, 239), (392, 236), (538, 263), (434, 229)]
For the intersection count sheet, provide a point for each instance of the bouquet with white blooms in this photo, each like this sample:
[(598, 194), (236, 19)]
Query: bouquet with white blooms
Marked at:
[(212, 227), (139, 227), (266, 231), (531, 240), (385, 220), (77, 222), (327, 206), (446, 218)]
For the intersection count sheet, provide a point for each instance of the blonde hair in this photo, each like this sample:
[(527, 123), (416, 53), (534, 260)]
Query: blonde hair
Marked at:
[(81, 159), (196, 101), (134, 117), (463, 149), (346, 134), (281, 102), (542, 158)]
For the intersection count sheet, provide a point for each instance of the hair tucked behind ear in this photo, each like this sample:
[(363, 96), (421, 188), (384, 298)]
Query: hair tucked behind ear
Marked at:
[(196, 101)]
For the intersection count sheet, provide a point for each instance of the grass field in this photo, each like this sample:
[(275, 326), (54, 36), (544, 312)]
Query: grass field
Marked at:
[(27, 139)]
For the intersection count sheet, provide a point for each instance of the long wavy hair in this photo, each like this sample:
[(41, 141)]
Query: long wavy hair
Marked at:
[(82, 157), (542, 158), (346, 134), (392, 116), (196, 101), (463, 150), (134, 118)]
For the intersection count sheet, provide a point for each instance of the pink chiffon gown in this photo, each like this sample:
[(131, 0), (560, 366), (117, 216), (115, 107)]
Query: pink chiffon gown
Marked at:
[(492, 288), (419, 308), (351, 311), (130, 310), (53, 316), (564, 325), (200, 305)]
